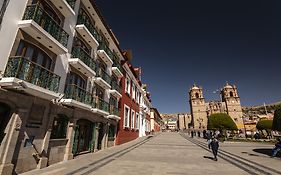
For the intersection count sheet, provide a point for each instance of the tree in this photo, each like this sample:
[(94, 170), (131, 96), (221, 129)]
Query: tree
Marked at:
[(276, 125), (221, 121), (265, 125)]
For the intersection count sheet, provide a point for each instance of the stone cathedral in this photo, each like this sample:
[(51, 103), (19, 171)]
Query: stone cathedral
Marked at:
[(200, 109)]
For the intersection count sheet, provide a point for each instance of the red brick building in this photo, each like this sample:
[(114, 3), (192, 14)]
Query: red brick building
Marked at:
[(128, 128)]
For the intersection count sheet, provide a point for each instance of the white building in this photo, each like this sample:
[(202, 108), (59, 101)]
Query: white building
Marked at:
[(59, 86)]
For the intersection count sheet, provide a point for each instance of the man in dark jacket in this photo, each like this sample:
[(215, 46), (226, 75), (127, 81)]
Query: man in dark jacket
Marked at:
[(277, 148), (214, 144)]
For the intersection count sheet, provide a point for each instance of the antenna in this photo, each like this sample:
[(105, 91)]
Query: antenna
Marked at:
[(265, 108)]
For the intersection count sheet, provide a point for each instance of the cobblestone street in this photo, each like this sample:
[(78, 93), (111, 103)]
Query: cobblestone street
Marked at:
[(169, 153)]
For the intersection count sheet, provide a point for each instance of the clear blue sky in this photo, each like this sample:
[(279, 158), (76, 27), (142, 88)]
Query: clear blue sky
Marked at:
[(178, 43)]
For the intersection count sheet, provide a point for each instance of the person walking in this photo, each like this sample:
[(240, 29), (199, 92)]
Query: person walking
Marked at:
[(214, 144), (209, 137), (277, 148)]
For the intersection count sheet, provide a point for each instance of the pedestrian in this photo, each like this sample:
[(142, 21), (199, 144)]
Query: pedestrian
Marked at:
[(214, 144), (198, 133), (192, 134), (209, 137), (277, 148), (204, 134)]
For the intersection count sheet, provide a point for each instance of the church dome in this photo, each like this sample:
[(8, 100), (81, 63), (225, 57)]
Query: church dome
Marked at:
[(195, 88), (228, 86)]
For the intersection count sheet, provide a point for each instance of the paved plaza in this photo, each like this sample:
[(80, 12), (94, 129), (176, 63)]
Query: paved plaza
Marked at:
[(171, 154)]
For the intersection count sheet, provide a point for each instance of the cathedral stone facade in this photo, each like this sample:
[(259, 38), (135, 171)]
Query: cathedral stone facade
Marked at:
[(201, 110)]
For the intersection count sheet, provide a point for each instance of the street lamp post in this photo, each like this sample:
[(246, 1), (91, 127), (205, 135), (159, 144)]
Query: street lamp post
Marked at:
[(245, 131)]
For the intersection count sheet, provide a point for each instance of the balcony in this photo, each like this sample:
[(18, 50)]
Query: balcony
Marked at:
[(115, 90), (65, 6), (85, 28), (103, 79), (101, 107), (78, 97), (117, 69), (105, 54), (21, 74), (42, 27), (114, 113), (83, 62)]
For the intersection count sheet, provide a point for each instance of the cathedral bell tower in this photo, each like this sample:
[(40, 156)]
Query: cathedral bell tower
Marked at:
[(233, 106), (198, 108)]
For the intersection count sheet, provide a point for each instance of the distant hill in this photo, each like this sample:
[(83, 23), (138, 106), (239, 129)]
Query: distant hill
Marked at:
[(260, 110), (166, 116)]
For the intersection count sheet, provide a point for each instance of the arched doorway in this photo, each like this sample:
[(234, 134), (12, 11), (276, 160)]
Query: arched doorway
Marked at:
[(84, 137), (5, 112)]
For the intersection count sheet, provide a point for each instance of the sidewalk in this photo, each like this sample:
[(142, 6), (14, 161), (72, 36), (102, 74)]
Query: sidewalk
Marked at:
[(83, 161)]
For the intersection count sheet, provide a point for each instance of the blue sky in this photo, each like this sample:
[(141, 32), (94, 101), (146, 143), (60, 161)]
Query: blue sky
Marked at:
[(204, 42)]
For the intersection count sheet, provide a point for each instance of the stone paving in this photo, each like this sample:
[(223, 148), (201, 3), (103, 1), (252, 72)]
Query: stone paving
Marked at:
[(164, 154)]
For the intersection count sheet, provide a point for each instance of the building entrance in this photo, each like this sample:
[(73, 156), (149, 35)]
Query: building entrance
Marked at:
[(5, 112), (84, 137)]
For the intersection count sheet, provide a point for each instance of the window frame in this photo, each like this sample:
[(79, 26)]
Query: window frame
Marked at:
[(133, 91), (137, 121), (127, 85), (133, 114), (60, 132), (126, 124)]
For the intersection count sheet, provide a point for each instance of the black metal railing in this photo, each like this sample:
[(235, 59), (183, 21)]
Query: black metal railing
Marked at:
[(24, 69), (101, 73), (78, 52), (102, 105), (77, 93), (115, 86), (114, 111), (42, 18), (103, 46), (83, 19)]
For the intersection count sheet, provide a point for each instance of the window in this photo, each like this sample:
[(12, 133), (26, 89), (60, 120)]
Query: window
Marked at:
[(128, 85), (133, 119), (231, 94), (196, 95), (79, 44), (137, 121), (133, 91), (47, 11), (75, 79), (34, 54), (137, 95), (59, 128), (100, 92), (126, 117)]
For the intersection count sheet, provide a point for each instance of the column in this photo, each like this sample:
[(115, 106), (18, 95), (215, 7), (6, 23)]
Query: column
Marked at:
[(9, 143), (70, 136), (43, 162), (97, 137)]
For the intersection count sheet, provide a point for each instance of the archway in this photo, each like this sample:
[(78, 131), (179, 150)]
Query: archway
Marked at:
[(5, 112)]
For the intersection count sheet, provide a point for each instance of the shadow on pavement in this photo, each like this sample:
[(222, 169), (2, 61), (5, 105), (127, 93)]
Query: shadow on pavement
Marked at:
[(208, 157), (264, 151)]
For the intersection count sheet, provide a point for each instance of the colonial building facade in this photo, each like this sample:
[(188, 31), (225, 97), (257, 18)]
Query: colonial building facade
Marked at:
[(200, 110), (60, 76), (184, 121), (134, 105), (156, 120)]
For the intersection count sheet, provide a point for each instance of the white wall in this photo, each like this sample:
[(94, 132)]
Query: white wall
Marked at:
[(13, 15)]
